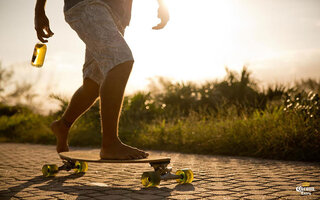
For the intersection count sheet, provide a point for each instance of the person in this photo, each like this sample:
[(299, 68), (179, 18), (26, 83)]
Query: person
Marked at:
[(100, 24)]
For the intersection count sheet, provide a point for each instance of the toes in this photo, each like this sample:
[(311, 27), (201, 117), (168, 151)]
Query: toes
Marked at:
[(138, 156), (132, 157), (142, 153)]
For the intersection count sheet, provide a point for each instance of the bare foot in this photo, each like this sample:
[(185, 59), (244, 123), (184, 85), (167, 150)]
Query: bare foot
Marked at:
[(60, 130), (119, 151)]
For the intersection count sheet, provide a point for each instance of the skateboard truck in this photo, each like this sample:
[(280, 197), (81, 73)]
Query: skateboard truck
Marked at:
[(67, 165), (164, 171), (52, 170)]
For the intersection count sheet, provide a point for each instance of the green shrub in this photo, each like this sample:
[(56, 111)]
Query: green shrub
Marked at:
[(26, 126), (271, 134)]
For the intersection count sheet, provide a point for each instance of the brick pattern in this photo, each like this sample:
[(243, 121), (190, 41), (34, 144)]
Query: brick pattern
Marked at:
[(215, 177)]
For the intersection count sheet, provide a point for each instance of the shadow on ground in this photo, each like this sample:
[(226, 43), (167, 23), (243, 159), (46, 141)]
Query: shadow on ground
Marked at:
[(57, 184)]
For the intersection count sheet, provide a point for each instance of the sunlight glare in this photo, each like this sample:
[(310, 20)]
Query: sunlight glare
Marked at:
[(196, 44)]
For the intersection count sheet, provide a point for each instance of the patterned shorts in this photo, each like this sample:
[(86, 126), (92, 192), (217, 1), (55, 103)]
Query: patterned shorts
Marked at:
[(102, 33)]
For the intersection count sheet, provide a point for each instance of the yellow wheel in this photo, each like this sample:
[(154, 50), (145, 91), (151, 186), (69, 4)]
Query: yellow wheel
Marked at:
[(150, 179), (49, 170), (80, 166), (186, 176)]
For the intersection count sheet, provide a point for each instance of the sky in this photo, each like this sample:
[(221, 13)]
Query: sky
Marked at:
[(279, 41)]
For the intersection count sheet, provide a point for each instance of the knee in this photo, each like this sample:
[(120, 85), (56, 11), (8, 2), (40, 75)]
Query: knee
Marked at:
[(90, 87)]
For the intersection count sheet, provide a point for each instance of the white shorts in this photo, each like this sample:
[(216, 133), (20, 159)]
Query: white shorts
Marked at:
[(102, 33)]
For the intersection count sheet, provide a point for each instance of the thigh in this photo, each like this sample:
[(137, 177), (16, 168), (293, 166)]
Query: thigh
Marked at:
[(96, 27), (91, 69)]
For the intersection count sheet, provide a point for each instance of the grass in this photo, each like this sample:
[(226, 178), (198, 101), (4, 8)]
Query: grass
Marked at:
[(271, 134)]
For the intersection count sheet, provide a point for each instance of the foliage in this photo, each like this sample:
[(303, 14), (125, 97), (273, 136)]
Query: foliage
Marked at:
[(306, 106), (26, 126), (308, 85)]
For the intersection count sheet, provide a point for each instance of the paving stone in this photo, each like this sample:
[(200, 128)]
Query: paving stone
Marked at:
[(83, 197), (184, 197), (221, 197), (111, 197), (237, 189), (254, 183), (253, 187), (257, 192), (284, 182), (39, 197), (254, 197), (6, 195), (298, 197), (285, 193), (116, 191), (23, 194), (285, 187), (217, 187), (143, 196), (220, 192), (95, 194), (239, 195)]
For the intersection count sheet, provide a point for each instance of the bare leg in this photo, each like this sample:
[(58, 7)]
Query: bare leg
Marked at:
[(111, 98), (81, 101)]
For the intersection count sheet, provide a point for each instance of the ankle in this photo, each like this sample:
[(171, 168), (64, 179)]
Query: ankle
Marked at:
[(65, 123), (112, 141)]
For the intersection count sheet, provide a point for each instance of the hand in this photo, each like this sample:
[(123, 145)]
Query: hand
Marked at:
[(163, 14), (42, 27)]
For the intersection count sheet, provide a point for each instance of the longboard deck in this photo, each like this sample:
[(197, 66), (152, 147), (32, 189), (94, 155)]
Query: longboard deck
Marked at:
[(93, 156)]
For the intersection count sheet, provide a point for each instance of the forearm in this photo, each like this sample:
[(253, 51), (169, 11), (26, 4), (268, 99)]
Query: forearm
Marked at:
[(163, 14), (161, 2), (41, 22), (40, 6)]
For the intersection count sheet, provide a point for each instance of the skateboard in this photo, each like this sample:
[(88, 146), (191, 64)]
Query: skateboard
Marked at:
[(78, 161)]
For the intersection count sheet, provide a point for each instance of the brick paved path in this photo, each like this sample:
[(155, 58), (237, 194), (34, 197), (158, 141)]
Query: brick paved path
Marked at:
[(216, 177)]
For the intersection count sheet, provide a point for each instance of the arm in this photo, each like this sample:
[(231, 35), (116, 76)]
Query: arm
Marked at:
[(41, 22), (163, 14)]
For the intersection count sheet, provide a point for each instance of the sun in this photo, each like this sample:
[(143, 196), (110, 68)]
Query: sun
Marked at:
[(197, 42)]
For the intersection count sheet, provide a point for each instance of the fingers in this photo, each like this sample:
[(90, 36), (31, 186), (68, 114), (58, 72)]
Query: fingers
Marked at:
[(163, 14), (164, 20), (158, 27), (48, 30), (44, 33), (42, 27), (161, 25), (41, 36)]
